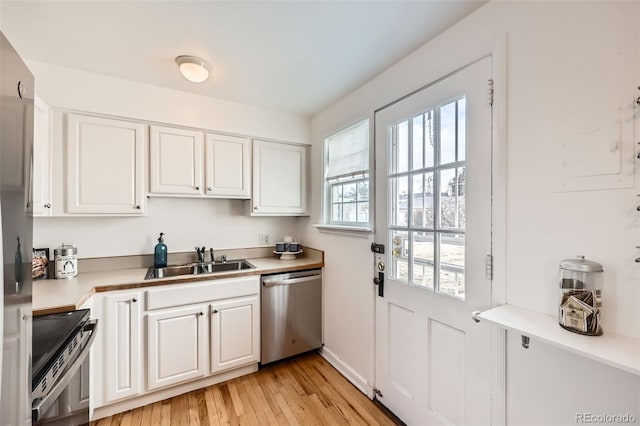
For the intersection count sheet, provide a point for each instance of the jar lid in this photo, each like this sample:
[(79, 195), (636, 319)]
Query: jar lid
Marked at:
[(65, 250), (581, 264)]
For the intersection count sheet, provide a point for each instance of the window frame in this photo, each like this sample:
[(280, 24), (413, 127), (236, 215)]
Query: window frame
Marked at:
[(327, 222)]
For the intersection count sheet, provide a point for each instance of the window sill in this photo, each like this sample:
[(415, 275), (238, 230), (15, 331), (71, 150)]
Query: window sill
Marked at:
[(346, 230)]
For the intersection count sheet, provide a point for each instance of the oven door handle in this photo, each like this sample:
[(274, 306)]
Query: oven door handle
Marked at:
[(45, 403)]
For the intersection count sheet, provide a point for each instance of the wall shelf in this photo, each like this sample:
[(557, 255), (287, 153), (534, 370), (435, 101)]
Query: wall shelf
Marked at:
[(612, 349)]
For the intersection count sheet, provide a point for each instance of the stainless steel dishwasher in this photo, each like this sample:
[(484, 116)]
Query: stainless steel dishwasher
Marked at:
[(291, 314)]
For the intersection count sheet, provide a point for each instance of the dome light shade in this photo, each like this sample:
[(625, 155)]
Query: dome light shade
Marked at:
[(193, 68)]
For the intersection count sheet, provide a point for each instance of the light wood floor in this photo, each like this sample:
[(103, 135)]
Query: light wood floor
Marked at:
[(304, 391)]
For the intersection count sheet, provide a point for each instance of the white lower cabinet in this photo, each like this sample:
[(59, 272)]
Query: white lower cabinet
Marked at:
[(154, 340), (235, 333), (176, 346), (122, 351)]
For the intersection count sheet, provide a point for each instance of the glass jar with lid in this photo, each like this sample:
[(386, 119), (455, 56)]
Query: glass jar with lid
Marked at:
[(581, 283)]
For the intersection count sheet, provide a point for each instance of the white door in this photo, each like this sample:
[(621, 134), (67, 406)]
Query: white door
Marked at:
[(228, 166), (235, 333), (176, 346), (433, 189), (105, 165), (175, 161)]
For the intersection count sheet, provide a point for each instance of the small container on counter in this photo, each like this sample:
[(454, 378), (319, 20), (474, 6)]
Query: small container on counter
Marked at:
[(66, 261), (581, 283)]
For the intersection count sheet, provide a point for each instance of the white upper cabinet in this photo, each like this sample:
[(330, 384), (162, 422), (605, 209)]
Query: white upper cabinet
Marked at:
[(105, 166), (175, 161), (41, 159), (279, 179), (227, 166)]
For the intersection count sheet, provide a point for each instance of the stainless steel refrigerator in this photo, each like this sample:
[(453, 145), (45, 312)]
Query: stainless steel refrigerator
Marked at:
[(16, 149)]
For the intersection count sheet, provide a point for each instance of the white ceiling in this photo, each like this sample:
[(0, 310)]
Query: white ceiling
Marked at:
[(295, 56)]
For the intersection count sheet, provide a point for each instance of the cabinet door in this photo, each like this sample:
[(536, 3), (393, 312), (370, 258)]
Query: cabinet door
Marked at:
[(105, 166), (176, 346), (122, 352), (227, 166), (279, 179), (235, 333), (41, 159), (175, 162)]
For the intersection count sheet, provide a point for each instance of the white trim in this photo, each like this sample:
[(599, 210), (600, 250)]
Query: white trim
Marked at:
[(355, 231), (349, 373), (498, 228)]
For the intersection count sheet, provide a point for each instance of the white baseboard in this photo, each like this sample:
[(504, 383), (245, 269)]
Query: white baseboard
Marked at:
[(349, 373)]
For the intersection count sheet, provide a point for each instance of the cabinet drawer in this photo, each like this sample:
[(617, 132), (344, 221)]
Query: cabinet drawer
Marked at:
[(204, 291)]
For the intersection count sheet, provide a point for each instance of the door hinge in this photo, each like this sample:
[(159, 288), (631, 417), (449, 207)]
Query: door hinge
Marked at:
[(377, 392), (490, 92), (488, 267)]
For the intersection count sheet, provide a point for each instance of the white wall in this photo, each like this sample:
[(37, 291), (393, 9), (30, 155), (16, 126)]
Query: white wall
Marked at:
[(572, 66), (187, 222)]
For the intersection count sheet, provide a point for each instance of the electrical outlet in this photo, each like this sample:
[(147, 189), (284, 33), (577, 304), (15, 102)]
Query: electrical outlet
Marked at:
[(263, 239)]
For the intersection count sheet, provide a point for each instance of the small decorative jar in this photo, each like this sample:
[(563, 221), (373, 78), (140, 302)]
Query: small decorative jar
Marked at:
[(66, 258), (581, 283)]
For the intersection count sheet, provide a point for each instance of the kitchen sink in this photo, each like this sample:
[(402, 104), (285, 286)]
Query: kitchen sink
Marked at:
[(190, 269)]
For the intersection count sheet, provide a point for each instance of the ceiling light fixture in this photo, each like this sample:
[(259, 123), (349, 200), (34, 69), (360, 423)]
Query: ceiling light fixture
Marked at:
[(193, 68)]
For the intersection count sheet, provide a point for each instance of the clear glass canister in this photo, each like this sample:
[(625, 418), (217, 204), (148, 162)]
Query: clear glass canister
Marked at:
[(581, 283)]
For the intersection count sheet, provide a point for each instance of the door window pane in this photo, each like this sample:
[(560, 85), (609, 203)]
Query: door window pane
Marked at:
[(399, 242), (429, 142), (422, 216), (399, 188), (418, 142), (423, 259), (451, 248), (448, 133), (400, 147), (462, 128), (452, 202)]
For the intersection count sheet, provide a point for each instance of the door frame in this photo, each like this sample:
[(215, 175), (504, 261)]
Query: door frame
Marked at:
[(497, 50)]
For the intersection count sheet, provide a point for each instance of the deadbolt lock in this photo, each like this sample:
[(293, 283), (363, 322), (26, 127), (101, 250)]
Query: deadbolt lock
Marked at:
[(381, 266)]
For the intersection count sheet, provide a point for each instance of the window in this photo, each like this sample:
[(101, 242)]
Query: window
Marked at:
[(426, 182), (346, 187)]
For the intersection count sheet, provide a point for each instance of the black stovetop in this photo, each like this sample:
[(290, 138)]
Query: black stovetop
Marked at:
[(50, 336)]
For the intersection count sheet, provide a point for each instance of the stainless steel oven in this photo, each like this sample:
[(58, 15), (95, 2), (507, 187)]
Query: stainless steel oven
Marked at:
[(60, 378)]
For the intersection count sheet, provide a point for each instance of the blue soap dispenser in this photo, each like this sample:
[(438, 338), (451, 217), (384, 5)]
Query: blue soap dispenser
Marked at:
[(160, 253)]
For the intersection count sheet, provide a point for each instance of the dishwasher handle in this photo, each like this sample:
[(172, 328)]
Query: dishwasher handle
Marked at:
[(270, 282)]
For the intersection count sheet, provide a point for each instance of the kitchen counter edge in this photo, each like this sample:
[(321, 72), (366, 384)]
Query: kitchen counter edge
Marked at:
[(58, 296)]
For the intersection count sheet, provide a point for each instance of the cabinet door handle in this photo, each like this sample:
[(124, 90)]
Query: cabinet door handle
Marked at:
[(138, 207), (197, 188), (47, 206), (255, 207), (209, 188), (134, 300), (215, 311), (200, 314)]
